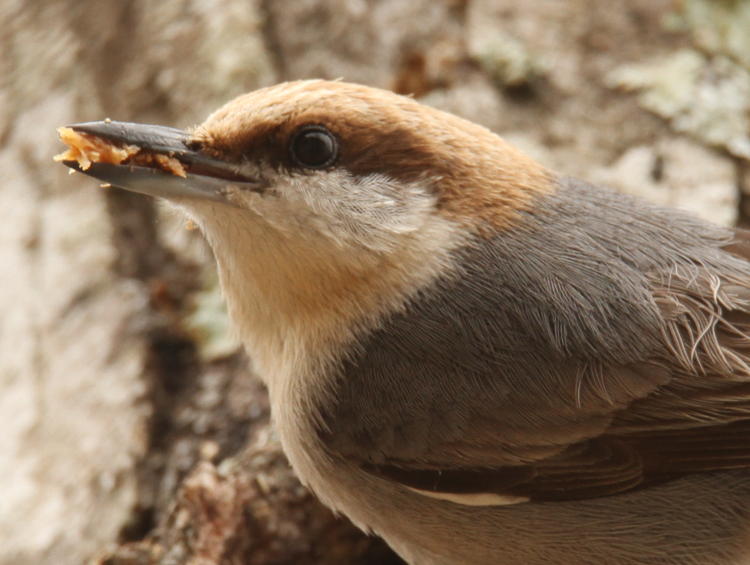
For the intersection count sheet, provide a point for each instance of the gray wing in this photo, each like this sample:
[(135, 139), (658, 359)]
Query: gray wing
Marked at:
[(600, 347)]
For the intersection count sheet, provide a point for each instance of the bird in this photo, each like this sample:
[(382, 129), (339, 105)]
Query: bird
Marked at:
[(479, 359)]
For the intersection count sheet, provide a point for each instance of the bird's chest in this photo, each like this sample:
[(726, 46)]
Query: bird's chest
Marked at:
[(296, 418)]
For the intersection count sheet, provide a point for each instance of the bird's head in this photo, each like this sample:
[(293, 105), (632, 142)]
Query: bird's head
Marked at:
[(315, 191)]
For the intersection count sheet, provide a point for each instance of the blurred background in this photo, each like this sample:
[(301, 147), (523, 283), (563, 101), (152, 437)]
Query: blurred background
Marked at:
[(132, 430)]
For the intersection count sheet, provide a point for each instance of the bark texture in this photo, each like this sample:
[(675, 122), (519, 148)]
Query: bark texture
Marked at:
[(133, 430)]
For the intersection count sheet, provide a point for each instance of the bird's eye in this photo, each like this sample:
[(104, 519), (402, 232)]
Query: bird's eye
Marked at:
[(314, 147)]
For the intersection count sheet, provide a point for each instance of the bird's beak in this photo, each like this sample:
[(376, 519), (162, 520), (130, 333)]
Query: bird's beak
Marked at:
[(168, 163)]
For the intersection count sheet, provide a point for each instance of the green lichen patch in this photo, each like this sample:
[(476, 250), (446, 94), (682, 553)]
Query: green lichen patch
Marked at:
[(507, 60), (706, 97), (209, 325)]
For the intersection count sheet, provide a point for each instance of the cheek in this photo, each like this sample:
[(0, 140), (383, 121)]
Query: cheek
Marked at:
[(371, 212)]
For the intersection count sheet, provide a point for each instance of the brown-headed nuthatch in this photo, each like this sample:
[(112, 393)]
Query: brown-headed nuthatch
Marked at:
[(481, 361)]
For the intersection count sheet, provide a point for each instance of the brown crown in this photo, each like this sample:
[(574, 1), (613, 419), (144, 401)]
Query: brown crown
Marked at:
[(479, 179)]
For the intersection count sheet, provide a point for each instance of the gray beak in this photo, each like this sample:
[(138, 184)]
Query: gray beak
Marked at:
[(206, 177)]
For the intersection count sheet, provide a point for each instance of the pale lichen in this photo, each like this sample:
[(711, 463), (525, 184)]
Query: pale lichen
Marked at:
[(209, 324), (703, 91), (506, 59), (706, 97), (719, 27)]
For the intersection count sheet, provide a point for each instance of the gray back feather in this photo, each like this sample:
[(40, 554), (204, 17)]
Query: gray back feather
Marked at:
[(552, 327)]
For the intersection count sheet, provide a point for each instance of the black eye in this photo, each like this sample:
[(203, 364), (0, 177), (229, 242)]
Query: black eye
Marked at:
[(314, 147)]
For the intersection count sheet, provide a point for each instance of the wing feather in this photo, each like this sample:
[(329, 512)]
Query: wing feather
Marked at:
[(526, 407)]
